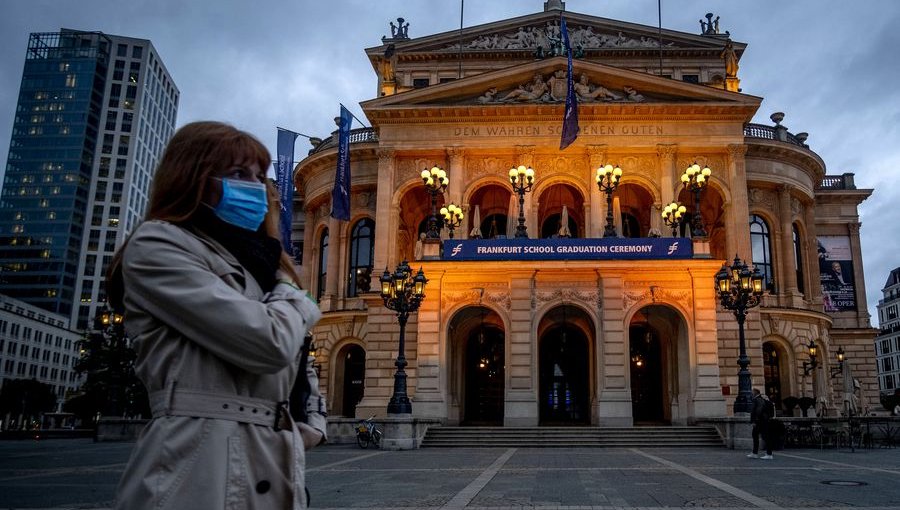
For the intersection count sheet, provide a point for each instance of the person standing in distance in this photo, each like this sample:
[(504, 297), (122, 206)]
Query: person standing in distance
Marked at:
[(214, 309), (763, 409)]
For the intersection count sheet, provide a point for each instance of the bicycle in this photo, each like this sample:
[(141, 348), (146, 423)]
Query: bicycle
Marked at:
[(366, 432)]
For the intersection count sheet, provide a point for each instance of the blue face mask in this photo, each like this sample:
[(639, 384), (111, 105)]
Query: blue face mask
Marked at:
[(243, 204)]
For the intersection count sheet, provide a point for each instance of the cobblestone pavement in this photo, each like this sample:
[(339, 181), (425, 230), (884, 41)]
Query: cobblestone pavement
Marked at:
[(75, 473)]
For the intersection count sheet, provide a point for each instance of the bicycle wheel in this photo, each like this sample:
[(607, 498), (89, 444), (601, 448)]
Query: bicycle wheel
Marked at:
[(376, 438), (362, 440)]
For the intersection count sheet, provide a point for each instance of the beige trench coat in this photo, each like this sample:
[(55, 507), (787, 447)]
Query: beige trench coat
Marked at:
[(216, 356)]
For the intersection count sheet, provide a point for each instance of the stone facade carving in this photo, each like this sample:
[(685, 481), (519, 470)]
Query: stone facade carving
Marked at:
[(656, 295), (364, 199), (796, 206), (547, 38), (411, 169), (590, 298), (501, 299), (761, 197), (477, 168), (553, 90), (666, 152)]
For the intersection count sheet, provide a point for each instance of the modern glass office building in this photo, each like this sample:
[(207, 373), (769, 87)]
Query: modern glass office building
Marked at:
[(93, 116)]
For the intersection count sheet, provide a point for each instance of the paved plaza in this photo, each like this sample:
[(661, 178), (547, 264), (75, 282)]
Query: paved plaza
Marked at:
[(77, 473)]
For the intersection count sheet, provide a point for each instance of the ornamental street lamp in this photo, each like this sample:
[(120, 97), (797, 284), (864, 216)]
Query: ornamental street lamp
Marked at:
[(402, 292), (522, 179), (739, 290), (435, 183), (695, 179), (608, 177), (110, 326), (453, 216), (673, 216), (813, 363)]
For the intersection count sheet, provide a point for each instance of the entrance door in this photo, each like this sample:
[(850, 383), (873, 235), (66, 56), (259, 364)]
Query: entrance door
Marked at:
[(646, 375), (484, 377), (564, 381), (354, 378)]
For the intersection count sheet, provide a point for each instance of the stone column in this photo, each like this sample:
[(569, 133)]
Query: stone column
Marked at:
[(814, 284), (708, 401), (667, 172), (457, 175), (859, 283), (385, 243), (525, 156), (614, 396), (335, 247), (597, 219), (738, 220), (788, 270), (310, 247)]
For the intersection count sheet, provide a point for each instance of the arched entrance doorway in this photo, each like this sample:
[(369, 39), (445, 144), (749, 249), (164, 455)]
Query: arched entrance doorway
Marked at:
[(773, 358), (564, 367), (479, 369), (350, 379), (658, 366)]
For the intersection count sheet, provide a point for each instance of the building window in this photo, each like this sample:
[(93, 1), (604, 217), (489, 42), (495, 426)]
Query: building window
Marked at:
[(798, 260), (362, 250), (420, 83), (137, 52), (761, 247), (323, 264)]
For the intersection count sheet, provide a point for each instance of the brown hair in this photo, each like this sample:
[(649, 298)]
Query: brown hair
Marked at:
[(194, 152)]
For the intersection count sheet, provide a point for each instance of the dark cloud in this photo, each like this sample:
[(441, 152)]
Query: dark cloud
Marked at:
[(832, 66)]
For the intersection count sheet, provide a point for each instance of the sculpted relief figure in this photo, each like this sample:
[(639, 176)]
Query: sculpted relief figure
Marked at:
[(528, 92), (490, 96), (586, 92), (632, 95)]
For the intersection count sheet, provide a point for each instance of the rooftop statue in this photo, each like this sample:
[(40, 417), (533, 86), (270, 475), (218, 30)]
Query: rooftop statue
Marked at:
[(398, 31)]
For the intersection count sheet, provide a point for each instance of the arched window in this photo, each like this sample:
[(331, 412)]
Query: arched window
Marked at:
[(323, 264), (798, 260), (362, 251), (761, 247)]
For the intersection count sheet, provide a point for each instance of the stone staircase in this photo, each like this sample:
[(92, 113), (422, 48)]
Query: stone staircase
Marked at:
[(572, 437)]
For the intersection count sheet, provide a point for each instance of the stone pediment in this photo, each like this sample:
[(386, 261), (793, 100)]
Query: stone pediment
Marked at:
[(538, 34), (543, 82)]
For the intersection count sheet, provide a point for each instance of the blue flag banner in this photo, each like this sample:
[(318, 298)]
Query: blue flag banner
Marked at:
[(570, 117), (284, 171), (606, 248), (340, 193)]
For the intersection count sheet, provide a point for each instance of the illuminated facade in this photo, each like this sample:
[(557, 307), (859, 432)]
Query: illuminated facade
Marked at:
[(605, 340)]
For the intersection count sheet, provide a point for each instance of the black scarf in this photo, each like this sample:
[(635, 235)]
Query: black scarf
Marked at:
[(256, 251)]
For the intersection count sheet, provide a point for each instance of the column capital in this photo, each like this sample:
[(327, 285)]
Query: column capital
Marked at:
[(784, 188), (455, 153), (736, 151), (667, 151), (854, 227), (385, 155)]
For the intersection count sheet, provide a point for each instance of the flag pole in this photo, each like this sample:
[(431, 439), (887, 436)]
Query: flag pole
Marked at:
[(354, 116), (291, 131)]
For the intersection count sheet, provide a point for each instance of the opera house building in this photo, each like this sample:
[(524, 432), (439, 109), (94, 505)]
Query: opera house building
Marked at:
[(563, 287)]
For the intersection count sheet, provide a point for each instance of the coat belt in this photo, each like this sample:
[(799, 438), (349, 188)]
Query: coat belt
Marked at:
[(204, 404)]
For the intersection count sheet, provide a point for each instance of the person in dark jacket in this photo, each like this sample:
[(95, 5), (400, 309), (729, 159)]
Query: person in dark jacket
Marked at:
[(763, 410)]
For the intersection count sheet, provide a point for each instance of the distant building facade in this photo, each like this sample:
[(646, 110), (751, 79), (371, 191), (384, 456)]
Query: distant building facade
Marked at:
[(887, 343), (551, 337), (36, 344), (94, 113)]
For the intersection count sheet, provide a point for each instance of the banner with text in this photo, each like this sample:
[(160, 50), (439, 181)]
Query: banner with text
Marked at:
[(618, 248), (836, 273)]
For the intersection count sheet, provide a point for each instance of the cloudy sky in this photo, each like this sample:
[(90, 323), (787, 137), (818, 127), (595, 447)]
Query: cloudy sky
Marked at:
[(832, 66)]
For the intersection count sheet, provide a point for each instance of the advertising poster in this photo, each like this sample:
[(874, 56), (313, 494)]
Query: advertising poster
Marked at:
[(836, 273)]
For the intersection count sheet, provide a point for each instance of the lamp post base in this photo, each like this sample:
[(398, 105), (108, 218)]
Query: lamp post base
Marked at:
[(400, 405)]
